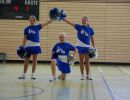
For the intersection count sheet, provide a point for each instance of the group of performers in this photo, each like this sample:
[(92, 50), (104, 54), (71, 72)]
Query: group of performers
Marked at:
[(61, 50)]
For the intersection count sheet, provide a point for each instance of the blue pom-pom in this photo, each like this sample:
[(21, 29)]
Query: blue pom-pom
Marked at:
[(93, 53), (54, 13), (57, 14), (63, 15), (22, 52)]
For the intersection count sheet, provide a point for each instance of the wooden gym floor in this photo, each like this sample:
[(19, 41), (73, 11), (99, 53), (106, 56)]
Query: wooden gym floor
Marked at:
[(110, 82)]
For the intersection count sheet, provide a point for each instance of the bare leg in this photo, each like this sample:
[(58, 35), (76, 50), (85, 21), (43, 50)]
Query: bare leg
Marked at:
[(63, 76), (81, 58), (34, 64), (26, 62), (87, 64), (87, 67), (53, 67), (34, 61)]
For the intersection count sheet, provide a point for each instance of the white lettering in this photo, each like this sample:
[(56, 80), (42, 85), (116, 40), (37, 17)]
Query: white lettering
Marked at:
[(31, 2), (5, 1), (8, 1)]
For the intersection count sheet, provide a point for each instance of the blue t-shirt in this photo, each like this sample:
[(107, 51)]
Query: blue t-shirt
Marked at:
[(32, 33), (62, 51), (63, 48), (84, 33)]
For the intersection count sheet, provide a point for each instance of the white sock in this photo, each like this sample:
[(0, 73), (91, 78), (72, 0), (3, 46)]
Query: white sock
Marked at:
[(24, 74), (82, 75), (54, 76), (33, 74), (88, 75)]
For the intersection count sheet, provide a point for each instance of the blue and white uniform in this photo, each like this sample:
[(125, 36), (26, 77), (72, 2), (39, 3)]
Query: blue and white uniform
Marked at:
[(60, 52), (33, 38), (84, 34)]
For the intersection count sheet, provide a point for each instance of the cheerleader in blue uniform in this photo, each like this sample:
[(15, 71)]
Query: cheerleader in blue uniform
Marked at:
[(60, 53), (31, 41), (85, 33)]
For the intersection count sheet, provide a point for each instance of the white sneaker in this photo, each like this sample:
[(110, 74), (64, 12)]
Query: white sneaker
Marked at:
[(23, 76), (82, 77), (88, 77), (33, 77), (52, 80)]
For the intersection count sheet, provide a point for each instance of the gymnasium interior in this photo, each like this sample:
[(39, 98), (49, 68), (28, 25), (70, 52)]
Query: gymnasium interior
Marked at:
[(110, 71)]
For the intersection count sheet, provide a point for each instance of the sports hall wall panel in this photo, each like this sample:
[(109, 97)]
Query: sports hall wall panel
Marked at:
[(111, 23), (117, 48)]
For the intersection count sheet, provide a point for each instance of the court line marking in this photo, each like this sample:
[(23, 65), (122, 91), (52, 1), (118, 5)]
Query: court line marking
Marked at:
[(109, 88), (93, 90), (125, 70), (41, 91), (94, 96)]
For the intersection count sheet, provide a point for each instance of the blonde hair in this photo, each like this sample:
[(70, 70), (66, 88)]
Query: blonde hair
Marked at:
[(63, 33), (85, 17), (32, 16)]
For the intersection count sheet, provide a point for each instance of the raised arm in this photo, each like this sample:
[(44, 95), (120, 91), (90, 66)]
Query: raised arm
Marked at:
[(47, 23), (68, 22)]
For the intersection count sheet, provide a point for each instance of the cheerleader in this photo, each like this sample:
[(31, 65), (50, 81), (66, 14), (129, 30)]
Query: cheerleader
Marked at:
[(85, 34), (31, 42), (60, 53)]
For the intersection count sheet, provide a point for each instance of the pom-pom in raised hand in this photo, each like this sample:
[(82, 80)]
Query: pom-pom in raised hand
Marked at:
[(57, 14)]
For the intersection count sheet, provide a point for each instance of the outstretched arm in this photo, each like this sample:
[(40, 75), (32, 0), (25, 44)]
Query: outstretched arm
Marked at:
[(68, 22), (47, 23)]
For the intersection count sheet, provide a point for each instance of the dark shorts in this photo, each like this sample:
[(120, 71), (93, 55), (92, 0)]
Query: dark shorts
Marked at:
[(83, 50), (34, 50)]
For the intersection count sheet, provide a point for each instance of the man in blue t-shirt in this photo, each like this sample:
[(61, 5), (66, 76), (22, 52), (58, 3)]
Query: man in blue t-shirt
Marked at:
[(85, 33), (60, 54), (31, 42)]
